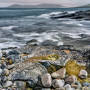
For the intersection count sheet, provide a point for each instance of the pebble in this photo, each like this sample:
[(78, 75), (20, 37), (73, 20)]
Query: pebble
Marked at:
[(68, 87), (76, 85), (71, 79), (8, 84), (6, 72), (59, 74), (57, 83), (1, 71), (85, 88), (83, 74), (46, 80), (86, 84)]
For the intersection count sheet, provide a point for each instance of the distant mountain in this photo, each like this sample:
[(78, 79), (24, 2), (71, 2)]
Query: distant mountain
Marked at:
[(85, 6), (36, 6)]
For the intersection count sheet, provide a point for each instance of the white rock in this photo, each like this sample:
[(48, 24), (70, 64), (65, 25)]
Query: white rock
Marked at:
[(57, 83), (46, 80), (8, 84), (83, 74)]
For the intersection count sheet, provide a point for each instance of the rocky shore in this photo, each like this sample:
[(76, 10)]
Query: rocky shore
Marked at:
[(34, 67), (79, 15)]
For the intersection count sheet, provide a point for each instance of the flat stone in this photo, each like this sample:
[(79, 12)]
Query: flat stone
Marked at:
[(71, 79), (59, 74), (83, 74), (57, 83), (46, 80)]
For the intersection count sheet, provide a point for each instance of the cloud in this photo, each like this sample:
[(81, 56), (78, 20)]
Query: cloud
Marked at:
[(62, 2)]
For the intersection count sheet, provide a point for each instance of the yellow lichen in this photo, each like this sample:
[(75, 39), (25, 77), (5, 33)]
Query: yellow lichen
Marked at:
[(73, 68), (48, 57), (51, 69)]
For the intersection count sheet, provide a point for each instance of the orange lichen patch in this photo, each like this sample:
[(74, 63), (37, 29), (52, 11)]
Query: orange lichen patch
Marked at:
[(67, 51), (72, 68)]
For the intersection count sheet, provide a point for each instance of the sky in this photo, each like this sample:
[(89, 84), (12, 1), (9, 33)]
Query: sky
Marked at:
[(67, 3)]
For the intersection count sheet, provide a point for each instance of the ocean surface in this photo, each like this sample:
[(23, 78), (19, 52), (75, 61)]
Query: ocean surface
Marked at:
[(18, 26)]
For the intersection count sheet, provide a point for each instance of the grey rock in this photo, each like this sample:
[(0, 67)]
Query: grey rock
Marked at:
[(57, 83), (20, 85), (46, 80), (68, 87), (86, 84), (28, 72)]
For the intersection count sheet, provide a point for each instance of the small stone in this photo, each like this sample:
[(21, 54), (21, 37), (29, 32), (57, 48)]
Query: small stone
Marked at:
[(76, 85), (71, 79), (6, 71), (83, 74), (59, 74), (85, 88), (1, 71), (57, 83), (68, 87), (20, 85), (86, 84), (46, 80), (8, 84)]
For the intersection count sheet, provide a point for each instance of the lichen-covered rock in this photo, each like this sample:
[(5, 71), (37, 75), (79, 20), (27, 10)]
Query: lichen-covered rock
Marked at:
[(46, 80), (57, 83), (59, 74), (73, 68)]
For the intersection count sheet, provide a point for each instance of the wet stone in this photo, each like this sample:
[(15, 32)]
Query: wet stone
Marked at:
[(8, 84)]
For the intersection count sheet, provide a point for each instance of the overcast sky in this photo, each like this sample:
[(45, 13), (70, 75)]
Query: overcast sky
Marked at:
[(68, 3)]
